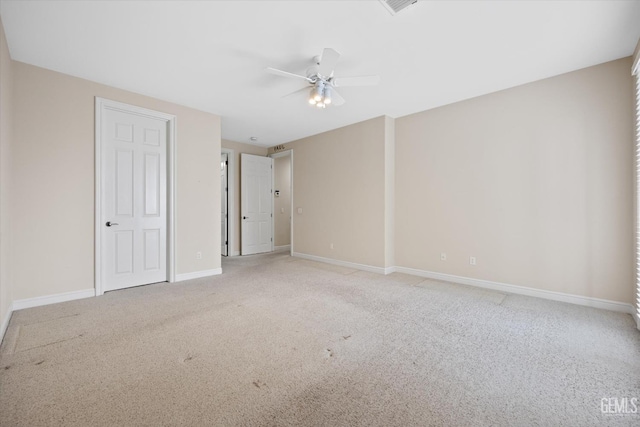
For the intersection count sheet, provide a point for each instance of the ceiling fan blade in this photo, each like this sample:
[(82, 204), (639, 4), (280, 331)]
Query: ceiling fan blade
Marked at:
[(336, 99), (356, 81), (304, 89), (328, 62), (285, 74)]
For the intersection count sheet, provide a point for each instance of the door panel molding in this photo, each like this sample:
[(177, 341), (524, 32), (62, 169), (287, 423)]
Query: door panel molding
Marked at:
[(101, 105)]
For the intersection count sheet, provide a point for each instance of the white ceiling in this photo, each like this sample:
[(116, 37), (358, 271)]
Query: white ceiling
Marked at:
[(211, 55)]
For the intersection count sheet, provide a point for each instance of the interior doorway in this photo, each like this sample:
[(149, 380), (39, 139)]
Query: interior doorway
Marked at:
[(133, 197), (224, 214), (227, 194), (256, 206), (283, 200)]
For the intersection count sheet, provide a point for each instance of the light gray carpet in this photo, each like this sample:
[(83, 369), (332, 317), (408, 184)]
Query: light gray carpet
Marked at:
[(277, 340)]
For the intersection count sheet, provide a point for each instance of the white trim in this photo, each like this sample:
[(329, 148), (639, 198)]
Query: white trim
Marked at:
[(522, 290), (198, 274), (292, 205), (100, 105), (224, 192), (364, 267), (5, 323), (486, 284), (52, 299), (282, 248), (97, 195), (273, 204), (231, 202), (280, 154)]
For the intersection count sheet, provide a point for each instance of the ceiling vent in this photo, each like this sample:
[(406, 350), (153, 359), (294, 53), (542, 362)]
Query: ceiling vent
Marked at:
[(395, 6)]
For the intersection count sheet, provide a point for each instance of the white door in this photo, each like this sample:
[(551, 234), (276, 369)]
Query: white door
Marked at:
[(224, 214), (256, 205), (134, 199)]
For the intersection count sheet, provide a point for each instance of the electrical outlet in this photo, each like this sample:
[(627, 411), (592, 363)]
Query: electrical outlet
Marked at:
[(443, 256), (331, 246), (472, 260), (198, 255)]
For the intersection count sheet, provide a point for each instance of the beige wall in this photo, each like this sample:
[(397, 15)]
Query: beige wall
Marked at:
[(282, 203), (53, 181), (389, 192), (636, 56), (5, 177), (239, 147), (339, 182), (534, 181)]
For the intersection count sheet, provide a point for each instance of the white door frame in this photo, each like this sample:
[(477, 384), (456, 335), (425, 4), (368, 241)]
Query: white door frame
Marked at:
[(100, 105), (285, 153), (242, 227), (231, 200)]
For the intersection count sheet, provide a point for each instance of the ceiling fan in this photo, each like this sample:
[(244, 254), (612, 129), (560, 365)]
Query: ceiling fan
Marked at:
[(322, 83)]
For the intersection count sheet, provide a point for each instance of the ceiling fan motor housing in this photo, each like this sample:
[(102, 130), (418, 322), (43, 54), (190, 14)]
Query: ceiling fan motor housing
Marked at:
[(312, 72)]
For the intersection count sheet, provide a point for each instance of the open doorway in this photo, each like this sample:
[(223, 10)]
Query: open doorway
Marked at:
[(224, 204), (227, 202), (282, 200)]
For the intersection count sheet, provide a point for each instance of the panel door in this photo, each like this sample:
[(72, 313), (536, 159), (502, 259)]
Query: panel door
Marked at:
[(134, 199), (256, 204)]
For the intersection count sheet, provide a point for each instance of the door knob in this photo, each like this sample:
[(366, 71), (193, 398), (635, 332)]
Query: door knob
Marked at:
[(109, 223)]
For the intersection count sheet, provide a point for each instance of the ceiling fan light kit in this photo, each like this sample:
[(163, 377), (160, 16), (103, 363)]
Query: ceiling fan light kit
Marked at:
[(320, 95), (322, 81)]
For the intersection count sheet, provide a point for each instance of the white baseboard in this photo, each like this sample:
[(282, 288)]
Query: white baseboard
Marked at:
[(235, 253), (5, 322), (635, 317), (53, 299), (44, 300), (496, 286), (282, 248), (364, 267), (198, 274), (522, 290)]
